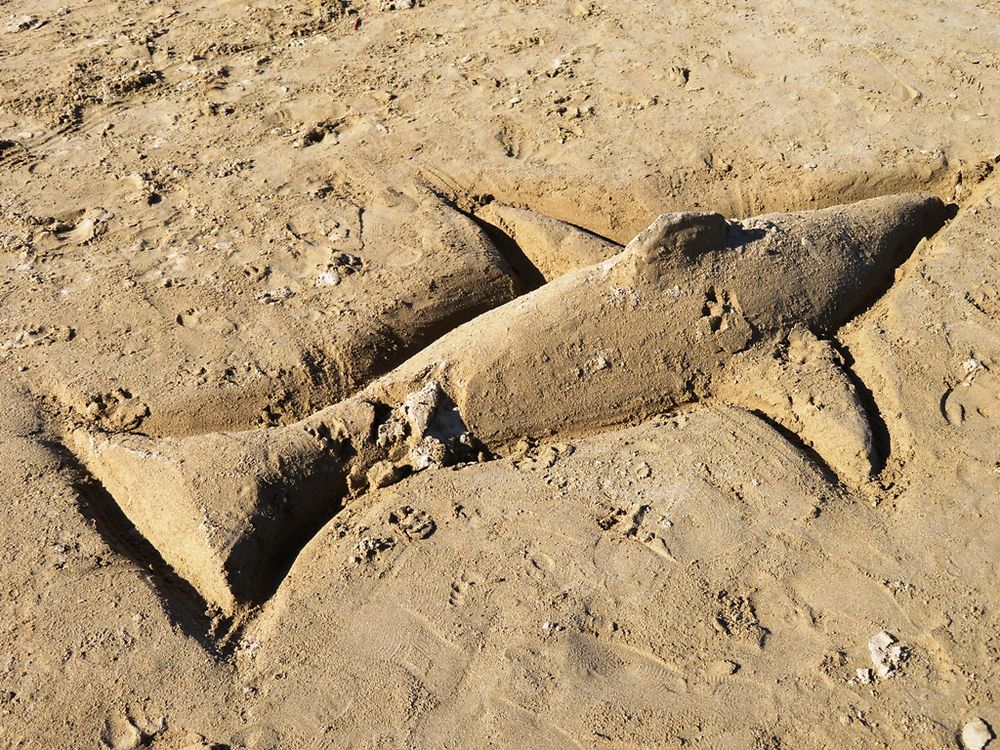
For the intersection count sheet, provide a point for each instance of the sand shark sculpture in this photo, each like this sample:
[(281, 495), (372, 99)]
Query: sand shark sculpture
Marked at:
[(696, 307)]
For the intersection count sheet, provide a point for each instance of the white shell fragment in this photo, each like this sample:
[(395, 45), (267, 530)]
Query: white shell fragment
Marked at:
[(976, 735), (329, 277), (887, 655)]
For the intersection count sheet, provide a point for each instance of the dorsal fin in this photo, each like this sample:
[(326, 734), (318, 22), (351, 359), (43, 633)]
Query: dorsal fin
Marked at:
[(674, 240)]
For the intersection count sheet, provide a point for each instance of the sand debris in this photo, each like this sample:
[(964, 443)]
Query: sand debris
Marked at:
[(275, 296)]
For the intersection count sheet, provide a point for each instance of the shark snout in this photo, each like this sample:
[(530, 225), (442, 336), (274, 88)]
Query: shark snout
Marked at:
[(900, 223)]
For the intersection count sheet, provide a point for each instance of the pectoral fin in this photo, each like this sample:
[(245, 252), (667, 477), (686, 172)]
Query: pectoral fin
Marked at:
[(800, 383)]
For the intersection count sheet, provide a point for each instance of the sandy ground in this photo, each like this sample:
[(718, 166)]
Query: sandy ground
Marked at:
[(219, 217)]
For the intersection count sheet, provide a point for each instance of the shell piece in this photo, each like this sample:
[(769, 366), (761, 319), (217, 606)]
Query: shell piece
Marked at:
[(976, 735), (887, 654)]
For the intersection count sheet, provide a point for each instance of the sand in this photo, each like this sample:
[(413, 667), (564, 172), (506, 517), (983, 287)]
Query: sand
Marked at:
[(525, 374)]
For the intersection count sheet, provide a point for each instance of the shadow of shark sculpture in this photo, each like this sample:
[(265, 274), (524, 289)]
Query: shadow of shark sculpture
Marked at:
[(696, 307)]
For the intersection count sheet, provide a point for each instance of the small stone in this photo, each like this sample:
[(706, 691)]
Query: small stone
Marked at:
[(865, 676), (977, 734), (598, 363)]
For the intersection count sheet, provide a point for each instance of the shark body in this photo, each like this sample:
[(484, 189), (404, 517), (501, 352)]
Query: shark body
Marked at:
[(696, 307)]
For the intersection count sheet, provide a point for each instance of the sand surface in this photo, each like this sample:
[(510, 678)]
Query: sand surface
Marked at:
[(355, 396)]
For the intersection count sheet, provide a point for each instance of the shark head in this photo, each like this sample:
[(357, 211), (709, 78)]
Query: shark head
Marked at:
[(818, 268), (859, 248)]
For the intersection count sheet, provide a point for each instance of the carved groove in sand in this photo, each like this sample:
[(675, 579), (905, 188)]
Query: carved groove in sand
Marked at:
[(695, 307)]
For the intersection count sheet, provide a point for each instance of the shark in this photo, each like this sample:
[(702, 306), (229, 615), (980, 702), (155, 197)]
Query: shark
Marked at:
[(697, 308)]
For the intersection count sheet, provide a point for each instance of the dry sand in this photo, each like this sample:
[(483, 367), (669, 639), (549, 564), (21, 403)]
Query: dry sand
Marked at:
[(355, 396)]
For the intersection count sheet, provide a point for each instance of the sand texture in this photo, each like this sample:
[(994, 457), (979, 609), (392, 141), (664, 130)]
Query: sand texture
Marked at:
[(424, 374)]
